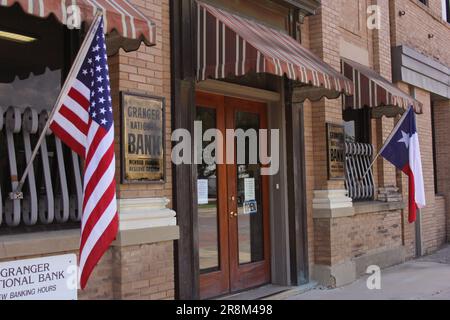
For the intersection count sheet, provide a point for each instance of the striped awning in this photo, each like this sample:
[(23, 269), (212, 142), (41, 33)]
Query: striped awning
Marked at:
[(374, 91), (231, 45), (121, 18)]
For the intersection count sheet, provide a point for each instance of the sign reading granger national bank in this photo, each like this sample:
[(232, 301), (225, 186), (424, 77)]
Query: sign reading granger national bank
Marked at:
[(47, 278), (142, 138)]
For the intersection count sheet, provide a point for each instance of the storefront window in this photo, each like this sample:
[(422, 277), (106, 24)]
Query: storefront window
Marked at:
[(358, 154), (357, 125), (36, 91), (35, 56)]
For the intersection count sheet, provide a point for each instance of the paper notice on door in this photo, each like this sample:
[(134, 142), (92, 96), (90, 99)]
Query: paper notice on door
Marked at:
[(202, 191), (249, 189), (250, 207)]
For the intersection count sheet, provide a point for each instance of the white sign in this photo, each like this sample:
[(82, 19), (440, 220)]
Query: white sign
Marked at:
[(249, 189), (47, 278), (202, 191)]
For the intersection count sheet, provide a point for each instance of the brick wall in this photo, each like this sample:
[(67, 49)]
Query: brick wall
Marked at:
[(341, 239), (134, 272), (310, 177), (413, 28), (369, 232), (351, 237), (441, 113), (145, 71), (322, 239), (101, 283), (320, 33), (324, 40), (435, 6), (145, 271), (337, 240), (434, 214)]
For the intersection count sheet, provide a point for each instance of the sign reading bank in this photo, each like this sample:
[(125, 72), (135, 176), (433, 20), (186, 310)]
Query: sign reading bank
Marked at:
[(48, 278)]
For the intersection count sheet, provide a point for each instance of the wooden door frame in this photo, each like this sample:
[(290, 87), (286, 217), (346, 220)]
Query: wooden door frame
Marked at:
[(216, 283), (183, 25), (257, 273), (231, 278)]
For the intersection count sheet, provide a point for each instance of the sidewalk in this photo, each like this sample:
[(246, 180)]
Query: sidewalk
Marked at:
[(427, 278)]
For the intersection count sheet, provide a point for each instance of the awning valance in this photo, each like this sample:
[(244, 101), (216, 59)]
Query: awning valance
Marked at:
[(374, 91), (231, 45), (127, 26)]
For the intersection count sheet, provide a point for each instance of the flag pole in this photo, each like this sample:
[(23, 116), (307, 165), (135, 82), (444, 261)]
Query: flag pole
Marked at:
[(17, 194), (384, 145)]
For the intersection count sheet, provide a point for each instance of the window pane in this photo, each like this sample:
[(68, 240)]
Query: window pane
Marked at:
[(249, 198), (207, 202), (38, 91), (349, 127)]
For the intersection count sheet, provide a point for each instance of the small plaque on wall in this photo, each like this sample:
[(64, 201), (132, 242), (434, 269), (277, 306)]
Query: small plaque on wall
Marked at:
[(336, 151), (142, 148)]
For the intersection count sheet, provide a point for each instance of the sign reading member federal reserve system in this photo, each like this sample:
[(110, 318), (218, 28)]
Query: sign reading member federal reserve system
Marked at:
[(336, 151), (48, 278), (142, 138)]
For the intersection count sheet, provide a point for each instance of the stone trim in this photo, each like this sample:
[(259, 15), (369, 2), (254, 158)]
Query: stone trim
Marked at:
[(127, 238), (42, 243), (383, 259), (414, 68), (55, 242), (335, 276), (333, 213), (376, 207), (145, 213), (347, 272), (331, 199)]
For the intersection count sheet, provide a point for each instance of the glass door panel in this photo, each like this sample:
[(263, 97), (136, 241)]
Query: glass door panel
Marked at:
[(250, 222), (208, 221)]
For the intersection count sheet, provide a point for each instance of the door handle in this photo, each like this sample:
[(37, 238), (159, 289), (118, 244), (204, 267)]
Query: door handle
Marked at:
[(233, 214)]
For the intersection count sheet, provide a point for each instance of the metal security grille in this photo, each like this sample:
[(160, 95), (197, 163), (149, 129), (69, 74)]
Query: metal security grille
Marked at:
[(53, 189), (358, 158)]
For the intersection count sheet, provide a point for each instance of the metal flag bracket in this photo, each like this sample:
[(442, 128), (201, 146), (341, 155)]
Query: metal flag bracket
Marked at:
[(16, 195)]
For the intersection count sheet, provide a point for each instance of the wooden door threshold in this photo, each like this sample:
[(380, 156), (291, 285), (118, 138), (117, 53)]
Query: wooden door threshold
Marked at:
[(257, 293)]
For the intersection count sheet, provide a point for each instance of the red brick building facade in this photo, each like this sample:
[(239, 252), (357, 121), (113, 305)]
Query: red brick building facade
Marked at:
[(173, 246)]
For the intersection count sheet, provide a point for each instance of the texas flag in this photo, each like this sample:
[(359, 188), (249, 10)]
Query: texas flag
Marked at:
[(403, 151)]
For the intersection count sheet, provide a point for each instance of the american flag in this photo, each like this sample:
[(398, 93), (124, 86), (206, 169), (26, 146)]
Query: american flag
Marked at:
[(84, 121)]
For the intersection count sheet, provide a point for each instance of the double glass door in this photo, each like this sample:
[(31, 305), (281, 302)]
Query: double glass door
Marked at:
[(233, 198)]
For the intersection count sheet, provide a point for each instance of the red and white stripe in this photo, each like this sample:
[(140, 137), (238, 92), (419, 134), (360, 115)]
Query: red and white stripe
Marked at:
[(118, 15), (416, 186), (372, 90), (231, 45), (75, 127)]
